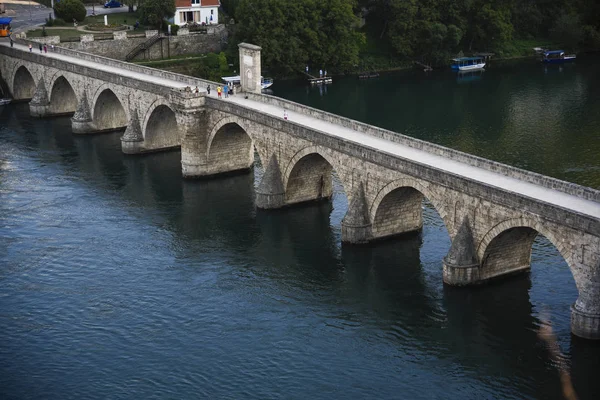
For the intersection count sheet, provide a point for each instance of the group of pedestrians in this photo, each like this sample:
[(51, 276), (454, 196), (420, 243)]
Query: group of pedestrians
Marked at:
[(43, 48), (223, 91)]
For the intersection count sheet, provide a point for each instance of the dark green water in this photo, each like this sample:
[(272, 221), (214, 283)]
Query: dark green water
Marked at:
[(120, 280), (540, 118)]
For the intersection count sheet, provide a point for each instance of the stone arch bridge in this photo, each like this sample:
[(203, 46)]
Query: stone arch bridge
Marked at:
[(493, 212)]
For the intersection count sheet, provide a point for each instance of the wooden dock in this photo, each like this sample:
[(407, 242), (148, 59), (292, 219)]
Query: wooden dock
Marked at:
[(313, 80), (320, 81)]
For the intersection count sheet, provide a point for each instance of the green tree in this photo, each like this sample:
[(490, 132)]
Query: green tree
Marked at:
[(154, 12), (293, 34), (69, 10), (568, 31), (213, 67)]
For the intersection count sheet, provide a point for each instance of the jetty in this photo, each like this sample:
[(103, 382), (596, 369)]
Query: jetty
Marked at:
[(315, 80)]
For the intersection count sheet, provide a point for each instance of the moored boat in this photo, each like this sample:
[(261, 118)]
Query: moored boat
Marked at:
[(236, 80), (468, 63), (4, 101), (557, 57)]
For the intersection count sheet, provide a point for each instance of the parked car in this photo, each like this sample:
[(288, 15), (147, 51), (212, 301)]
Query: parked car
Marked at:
[(112, 4)]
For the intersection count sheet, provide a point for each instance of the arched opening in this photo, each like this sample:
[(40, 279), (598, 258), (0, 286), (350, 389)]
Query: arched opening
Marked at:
[(109, 114), (550, 283), (23, 84), (62, 97), (508, 252), (161, 130), (231, 149), (400, 211), (310, 179)]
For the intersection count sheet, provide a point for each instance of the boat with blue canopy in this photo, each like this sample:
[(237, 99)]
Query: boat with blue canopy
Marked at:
[(468, 63), (557, 57), (5, 26)]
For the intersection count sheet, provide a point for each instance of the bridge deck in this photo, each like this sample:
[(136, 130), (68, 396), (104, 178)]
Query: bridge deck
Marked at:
[(531, 190)]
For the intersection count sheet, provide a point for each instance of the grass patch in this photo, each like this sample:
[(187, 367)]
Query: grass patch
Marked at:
[(524, 47), (115, 19), (184, 61), (63, 33)]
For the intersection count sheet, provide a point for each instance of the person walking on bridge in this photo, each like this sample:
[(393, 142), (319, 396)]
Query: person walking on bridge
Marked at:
[(30, 48), (226, 90), (207, 89), (41, 48), (219, 91)]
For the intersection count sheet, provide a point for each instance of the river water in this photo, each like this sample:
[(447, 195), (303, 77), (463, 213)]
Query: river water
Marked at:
[(120, 280)]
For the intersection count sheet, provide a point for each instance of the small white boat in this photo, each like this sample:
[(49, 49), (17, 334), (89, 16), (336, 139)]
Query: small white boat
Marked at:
[(265, 83), (4, 101), (468, 63)]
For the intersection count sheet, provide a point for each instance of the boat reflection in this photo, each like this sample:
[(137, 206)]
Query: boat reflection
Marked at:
[(469, 76)]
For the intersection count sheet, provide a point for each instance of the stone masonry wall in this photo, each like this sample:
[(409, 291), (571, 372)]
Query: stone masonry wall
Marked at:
[(490, 165), (173, 46), (471, 189), (508, 252), (404, 202)]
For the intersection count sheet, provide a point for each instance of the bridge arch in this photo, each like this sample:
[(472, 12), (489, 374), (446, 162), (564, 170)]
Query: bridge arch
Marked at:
[(398, 209), (160, 129), (230, 145), (23, 84), (108, 113), (62, 96), (508, 246), (308, 175)]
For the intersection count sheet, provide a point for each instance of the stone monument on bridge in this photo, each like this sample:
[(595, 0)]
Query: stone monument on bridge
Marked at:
[(250, 72)]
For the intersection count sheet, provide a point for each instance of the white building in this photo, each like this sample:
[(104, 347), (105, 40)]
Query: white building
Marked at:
[(198, 11)]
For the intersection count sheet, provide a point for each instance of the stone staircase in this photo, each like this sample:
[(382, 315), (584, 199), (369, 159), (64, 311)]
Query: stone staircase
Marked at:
[(143, 46)]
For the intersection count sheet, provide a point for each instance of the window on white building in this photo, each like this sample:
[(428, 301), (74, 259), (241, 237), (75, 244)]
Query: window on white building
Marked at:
[(195, 2)]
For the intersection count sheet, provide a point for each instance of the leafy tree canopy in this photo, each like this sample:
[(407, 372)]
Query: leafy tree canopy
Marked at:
[(326, 34), (297, 33), (154, 12), (70, 10)]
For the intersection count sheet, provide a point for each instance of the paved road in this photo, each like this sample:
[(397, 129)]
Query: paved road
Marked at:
[(455, 167), (26, 14)]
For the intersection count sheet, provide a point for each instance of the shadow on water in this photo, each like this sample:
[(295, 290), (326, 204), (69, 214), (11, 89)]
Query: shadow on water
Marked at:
[(484, 334)]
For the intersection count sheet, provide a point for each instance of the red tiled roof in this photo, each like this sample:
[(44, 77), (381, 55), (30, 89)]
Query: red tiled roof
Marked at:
[(203, 3)]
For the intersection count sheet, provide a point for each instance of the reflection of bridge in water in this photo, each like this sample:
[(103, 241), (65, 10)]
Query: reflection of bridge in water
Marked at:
[(493, 212)]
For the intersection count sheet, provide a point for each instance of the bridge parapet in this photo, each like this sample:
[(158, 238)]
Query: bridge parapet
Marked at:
[(184, 79), (528, 176), (422, 172)]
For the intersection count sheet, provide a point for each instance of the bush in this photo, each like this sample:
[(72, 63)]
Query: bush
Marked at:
[(213, 67), (70, 10), (174, 29)]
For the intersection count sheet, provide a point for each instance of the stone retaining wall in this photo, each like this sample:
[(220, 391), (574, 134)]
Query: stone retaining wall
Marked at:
[(179, 45)]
